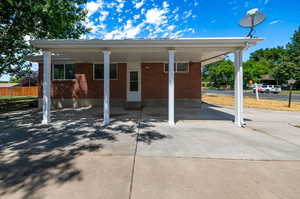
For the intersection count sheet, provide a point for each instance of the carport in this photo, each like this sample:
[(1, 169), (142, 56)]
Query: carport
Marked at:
[(204, 50)]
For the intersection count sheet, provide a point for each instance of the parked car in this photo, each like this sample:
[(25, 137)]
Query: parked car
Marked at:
[(268, 89)]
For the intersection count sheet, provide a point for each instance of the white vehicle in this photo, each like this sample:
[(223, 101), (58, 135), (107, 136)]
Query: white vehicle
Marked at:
[(268, 89)]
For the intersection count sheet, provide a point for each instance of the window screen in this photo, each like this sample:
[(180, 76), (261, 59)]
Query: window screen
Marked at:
[(182, 67), (69, 71), (59, 71)]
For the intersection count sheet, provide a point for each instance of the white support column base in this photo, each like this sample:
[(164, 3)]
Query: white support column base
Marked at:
[(171, 88), (106, 111), (46, 87)]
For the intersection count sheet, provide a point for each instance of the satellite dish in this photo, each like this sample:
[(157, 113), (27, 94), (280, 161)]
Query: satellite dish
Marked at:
[(253, 18)]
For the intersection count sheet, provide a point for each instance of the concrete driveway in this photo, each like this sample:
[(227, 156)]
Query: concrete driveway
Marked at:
[(139, 156)]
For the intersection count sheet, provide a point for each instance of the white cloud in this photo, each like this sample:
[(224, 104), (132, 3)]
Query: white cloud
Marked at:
[(165, 4), (171, 27), (176, 18), (120, 6), (91, 25), (175, 10), (104, 15), (274, 22), (136, 17), (156, 16), (187, 14), (127, 31), (139, 4), (93, 6)]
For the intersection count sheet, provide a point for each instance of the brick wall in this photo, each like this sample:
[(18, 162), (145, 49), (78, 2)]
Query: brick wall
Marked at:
[(84, 86), (155, 81)]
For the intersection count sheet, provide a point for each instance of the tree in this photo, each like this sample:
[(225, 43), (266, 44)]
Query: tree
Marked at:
[(219, 73), (261, 62), (254, 69), (35, 19), (289, 67), (15, 80)]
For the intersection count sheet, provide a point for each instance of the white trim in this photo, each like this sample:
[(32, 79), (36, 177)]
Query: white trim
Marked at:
[(134, 96), (103, 68), (145, 43), (52, 67)]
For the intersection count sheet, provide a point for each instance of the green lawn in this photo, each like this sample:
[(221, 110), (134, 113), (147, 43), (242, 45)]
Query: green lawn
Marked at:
[(287, 92)]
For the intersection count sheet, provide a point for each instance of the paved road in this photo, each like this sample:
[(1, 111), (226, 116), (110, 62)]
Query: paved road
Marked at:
[(295, 97)]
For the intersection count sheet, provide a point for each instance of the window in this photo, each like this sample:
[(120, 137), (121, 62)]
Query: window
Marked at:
[(63, 71), (178, 67), (134, 81), (99, 71), (182, 67)]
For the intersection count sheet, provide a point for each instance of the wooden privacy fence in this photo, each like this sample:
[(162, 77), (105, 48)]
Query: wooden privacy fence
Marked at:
[(20, 91)]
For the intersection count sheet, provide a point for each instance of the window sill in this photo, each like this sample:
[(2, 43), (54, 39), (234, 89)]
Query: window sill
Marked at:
[(63, 80), (103, 79)]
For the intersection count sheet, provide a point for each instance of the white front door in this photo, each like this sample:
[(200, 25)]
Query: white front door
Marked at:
[(133, 82)]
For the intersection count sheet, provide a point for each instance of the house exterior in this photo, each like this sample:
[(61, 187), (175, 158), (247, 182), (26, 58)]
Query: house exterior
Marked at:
[(117, 72), (81, 84)]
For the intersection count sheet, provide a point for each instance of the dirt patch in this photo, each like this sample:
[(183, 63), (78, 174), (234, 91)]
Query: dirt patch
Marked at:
[(252, 103)]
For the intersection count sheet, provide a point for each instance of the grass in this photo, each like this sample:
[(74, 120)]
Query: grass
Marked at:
[(252, 103), (287, 92)]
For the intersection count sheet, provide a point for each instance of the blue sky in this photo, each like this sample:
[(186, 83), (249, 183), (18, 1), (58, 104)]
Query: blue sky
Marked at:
[(119, 19), (191, 18)]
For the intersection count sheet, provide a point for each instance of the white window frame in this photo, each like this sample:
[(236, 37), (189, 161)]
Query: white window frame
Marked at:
[(53, 78), (109, 73), (175, 67)]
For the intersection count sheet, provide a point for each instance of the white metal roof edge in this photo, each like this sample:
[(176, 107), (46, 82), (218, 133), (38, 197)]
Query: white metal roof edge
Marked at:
[(181, 42)]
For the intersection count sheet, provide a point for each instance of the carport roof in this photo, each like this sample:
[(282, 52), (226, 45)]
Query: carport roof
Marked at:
[(143, 50)]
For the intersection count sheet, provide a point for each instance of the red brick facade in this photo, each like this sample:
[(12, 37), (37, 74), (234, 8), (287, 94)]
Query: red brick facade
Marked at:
[(154, 83)]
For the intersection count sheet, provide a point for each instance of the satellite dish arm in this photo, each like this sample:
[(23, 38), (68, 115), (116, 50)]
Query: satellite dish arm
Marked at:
[(251, 27)]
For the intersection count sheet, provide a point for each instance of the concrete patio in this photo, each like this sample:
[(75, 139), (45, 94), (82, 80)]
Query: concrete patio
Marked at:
[(140, 156)]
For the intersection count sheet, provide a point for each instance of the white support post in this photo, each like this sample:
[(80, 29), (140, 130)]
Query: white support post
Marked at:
[(238, 88), (106, 88), (46, 87), (171, 88)]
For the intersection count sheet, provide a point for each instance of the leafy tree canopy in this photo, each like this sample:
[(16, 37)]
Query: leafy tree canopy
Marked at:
[(219, 73), (289, 67), (35, 19), (282, 63)]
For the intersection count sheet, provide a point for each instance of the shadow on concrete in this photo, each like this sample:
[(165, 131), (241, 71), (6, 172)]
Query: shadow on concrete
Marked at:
[(32, 155), (193, 111)]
